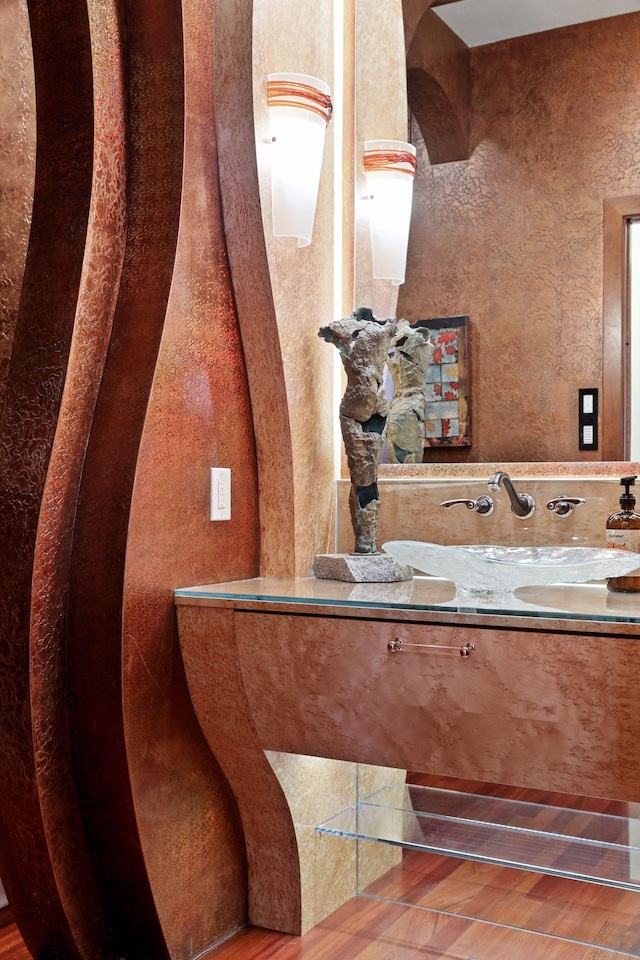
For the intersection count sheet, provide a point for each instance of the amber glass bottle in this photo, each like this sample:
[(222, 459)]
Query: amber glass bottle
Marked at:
[(623, 533)]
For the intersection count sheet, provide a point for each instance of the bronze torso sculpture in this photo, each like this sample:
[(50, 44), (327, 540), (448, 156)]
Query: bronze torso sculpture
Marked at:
[(363, 342)]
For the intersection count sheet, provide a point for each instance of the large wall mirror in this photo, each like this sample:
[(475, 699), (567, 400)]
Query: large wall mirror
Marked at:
[(510, 231)]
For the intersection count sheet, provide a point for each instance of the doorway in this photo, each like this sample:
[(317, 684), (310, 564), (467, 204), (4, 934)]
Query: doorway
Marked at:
[(621, 351), (633, 341)]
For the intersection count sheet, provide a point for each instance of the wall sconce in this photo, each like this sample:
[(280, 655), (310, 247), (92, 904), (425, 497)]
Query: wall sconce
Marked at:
[(390, 166), (299, 112)]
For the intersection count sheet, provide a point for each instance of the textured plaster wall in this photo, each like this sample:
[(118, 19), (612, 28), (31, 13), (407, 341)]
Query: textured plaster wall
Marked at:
[(17, 165), (513, 236), (380, 114), (298, 38)]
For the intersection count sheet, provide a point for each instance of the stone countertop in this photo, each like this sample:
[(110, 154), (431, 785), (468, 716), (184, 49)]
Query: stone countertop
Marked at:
[(567, 608)]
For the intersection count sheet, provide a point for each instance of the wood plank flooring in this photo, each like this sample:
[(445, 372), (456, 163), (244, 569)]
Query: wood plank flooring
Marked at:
[(11, 944), (473, 911)]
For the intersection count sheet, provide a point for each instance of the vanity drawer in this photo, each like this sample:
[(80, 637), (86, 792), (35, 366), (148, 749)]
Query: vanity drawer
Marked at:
[(552, 711)]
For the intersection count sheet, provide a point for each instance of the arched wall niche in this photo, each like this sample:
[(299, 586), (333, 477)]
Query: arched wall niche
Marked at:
[(437, 82)]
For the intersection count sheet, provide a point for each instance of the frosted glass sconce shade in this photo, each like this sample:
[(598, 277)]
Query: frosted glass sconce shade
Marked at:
[(299, 112), (390, 166)]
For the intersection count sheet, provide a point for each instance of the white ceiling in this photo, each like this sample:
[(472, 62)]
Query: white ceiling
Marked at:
[(484, 21)]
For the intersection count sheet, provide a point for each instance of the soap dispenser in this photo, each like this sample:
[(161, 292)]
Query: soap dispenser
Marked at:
[(623, 533)]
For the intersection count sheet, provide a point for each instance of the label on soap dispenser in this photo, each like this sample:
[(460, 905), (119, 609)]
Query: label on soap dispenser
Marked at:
[(624, 540)]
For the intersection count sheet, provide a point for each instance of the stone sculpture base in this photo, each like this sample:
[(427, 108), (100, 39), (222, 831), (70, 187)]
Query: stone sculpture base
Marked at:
[(360, 568)]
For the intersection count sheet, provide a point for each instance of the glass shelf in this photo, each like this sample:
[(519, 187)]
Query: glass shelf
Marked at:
[(543, 839), (586, 602)]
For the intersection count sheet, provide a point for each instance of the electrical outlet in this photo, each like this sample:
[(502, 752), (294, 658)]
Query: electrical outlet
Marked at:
[(220, 497)]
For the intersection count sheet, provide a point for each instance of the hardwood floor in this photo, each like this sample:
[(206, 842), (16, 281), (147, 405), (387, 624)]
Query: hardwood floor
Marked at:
[(471, 911), (11, 944), (372, 930)]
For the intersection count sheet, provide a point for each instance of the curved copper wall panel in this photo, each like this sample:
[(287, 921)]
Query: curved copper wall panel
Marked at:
[(154, 67), (119, 834), (217, 689), (63, 78), (199, 416), (94, 313)]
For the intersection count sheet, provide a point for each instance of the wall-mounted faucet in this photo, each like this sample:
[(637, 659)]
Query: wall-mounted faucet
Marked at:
[(482, 506), (522, 504)]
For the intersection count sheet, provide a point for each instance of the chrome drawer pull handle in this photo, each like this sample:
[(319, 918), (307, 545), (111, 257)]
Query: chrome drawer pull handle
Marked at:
[(395, 646)]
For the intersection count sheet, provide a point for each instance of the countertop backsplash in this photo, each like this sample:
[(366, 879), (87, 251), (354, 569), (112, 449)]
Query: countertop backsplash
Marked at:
[(410, 509)]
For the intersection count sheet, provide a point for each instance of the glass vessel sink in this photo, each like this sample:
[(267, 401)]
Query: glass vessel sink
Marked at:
[(481, 571)]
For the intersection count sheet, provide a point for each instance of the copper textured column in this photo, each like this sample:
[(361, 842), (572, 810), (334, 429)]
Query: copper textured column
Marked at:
[(29, 856), (119, 835), (216, 684), (94, 314), (199, 416), (154, 69)]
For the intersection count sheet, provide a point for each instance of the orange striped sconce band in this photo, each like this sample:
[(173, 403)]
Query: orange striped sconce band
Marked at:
[(305, 96), (398, 160)]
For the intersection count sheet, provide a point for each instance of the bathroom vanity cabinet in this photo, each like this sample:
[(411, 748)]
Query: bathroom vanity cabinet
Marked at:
[(543, 695), (556, 711)]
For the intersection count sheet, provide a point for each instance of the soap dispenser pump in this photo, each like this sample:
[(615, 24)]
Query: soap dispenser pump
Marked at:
[(623, 533)]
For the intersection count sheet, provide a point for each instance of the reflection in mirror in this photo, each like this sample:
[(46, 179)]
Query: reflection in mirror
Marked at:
[(513, 235), (619, 214)]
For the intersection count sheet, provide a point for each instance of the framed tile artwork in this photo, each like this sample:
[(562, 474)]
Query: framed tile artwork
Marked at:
[(447, 414)]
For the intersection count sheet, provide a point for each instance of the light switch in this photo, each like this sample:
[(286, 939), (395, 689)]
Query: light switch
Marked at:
[(588, 419), (220, 495)]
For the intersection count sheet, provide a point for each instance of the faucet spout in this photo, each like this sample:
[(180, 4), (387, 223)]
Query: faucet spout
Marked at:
[(522, 504)]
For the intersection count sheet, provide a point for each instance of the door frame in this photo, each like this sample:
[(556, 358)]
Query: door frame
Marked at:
[(618, 212)]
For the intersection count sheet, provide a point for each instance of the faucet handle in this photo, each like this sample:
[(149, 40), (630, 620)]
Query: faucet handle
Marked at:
[(482, 506), (563, 506)]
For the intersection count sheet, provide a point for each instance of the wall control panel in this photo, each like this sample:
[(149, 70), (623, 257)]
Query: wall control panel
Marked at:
[(588, 419)]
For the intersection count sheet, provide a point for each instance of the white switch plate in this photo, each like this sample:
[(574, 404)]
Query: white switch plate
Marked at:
[(220, 501)]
